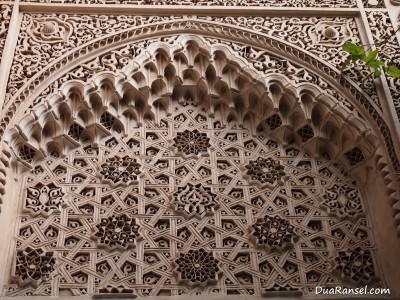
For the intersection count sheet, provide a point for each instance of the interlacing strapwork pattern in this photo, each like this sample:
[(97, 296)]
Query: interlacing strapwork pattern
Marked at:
[(193, 225)]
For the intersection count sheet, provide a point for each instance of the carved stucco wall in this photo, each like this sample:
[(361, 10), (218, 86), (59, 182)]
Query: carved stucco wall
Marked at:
[(127, 200)]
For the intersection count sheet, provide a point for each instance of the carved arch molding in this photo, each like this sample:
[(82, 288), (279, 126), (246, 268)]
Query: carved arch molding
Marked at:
[(200, 165)]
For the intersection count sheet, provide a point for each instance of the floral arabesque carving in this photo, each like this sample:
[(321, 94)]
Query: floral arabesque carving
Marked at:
[(5, 15), (356, 266), (343, 81), (34, 266), (273, 233), (191, 142), (382, 30), (195, 200), (343, 201), (229, 3), (120, 231), (197, 267), (265, 170), (44, 198), (124, 170)]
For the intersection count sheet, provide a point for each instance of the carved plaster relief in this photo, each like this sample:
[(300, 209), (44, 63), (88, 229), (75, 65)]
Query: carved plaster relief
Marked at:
[(236, 238), (363, 101), (383, 34), (5, 15), (322, 36), (240, 3)]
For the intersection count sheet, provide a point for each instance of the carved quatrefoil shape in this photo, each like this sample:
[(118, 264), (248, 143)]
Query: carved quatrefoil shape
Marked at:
[(265, 170), (33, 266), (117, 232), (197, 267), (273, 233), (120, 170), (194, 201), (44, 198), (191, 143)]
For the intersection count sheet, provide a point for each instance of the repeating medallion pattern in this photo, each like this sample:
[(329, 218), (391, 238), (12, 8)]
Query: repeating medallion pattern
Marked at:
[(192, 225)]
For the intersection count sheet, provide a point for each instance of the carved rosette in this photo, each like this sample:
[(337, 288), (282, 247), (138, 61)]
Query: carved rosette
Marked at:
[(273, 233), (330, 33), (33, 266), (120, 170), (117, 232), (343, 201), (50, 30), (265, 170), (356, 266), (44, 198), (194, 201), (197, 267), (191, 143)]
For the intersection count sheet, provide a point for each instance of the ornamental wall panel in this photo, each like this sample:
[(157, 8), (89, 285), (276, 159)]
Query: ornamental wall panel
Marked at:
[(215, 153)]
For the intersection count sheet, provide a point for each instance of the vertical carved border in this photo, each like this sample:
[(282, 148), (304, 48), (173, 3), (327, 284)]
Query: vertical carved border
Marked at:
[(5, 17)]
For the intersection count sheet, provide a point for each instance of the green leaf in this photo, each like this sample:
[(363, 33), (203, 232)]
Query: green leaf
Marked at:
[(356, 51), (371, 56), (377, 73), (393, 71), (375, 63)]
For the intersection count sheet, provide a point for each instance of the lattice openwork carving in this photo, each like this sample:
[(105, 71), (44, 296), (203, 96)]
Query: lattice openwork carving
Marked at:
[(168, 253)]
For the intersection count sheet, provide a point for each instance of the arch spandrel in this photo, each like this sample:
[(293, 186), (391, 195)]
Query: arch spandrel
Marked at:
[(89, 113)]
